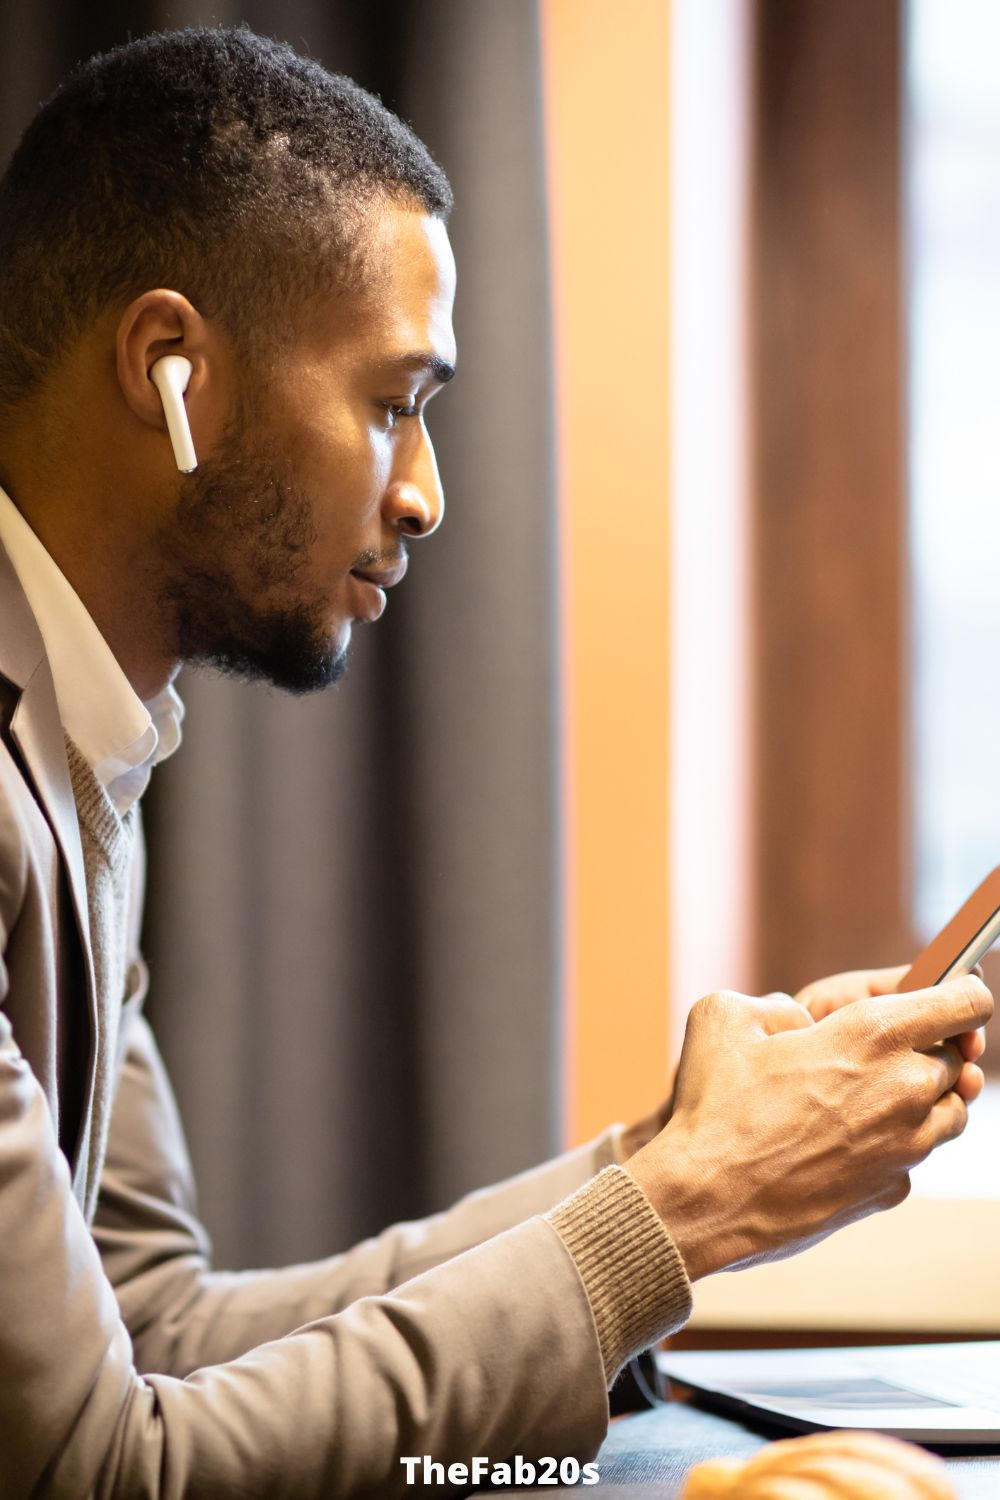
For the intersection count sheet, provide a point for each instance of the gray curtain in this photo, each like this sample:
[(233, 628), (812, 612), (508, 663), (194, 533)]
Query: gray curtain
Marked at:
[(353, 906)]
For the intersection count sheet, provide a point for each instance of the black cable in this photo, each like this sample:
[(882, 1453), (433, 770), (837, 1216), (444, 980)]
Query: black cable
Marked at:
[(639, 1376)]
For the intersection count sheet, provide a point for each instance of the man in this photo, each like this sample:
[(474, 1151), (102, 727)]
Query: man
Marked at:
[(210, 195)]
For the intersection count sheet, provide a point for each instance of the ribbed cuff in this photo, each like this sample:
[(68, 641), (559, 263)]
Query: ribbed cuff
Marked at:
[(630, 1267)]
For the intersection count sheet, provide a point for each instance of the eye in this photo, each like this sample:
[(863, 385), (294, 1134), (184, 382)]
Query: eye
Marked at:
[(395, 412)]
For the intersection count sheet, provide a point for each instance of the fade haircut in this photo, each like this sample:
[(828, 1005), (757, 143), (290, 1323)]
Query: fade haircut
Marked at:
[(212, 161)]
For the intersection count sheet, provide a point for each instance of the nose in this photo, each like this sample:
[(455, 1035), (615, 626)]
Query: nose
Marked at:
[(414, 499)]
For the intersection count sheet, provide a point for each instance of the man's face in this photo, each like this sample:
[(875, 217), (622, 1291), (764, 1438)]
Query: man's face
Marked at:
[(322, 476)]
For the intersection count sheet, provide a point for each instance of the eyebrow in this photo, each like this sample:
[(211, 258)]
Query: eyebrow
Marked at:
[(432, 364)]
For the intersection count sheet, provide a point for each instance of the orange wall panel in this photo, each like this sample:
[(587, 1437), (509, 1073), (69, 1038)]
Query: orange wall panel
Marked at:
[(605, 81)]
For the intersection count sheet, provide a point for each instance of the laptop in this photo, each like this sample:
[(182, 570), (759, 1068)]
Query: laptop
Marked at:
[(929, 1393)]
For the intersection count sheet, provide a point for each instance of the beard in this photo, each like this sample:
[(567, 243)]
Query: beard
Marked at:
[(236, 552)]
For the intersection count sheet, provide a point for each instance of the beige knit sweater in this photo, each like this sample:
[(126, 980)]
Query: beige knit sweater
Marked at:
[(108, 841)]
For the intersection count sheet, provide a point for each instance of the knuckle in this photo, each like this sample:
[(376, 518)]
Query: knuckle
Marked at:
[(876, 1025), (936, 1069), (922, 1141), (899, 1190), (779, 1004), (918, 1088), (946, 1124), (709, 1010), (952, 1059), (915, 1073), (977, 998), (959, 1117), (703, 1008), (951, 1053)]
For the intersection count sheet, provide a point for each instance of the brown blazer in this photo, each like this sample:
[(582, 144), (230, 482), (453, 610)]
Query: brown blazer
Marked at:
[(127, 1366)]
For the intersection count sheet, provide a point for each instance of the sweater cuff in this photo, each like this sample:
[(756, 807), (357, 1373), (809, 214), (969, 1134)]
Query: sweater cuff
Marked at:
[(631, 1269)]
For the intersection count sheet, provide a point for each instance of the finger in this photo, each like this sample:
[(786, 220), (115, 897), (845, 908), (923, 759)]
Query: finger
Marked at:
[(944, 1064), (824, 996), (821, 1004), (779, 1012), (947, 1119), (971, 1044), (921, 1018), (970, 1082), (886, 981), (727, 1010)]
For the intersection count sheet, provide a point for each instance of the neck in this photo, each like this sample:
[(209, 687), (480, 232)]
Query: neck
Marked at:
[(103, 560)]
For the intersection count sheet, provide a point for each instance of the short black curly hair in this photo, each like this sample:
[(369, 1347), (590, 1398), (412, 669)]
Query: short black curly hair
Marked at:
[(210, 160)]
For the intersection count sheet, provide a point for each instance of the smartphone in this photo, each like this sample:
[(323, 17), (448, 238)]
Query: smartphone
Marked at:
[(960, 945)]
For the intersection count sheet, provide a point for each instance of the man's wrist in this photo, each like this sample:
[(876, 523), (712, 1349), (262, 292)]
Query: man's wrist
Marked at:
[(687, 1207)]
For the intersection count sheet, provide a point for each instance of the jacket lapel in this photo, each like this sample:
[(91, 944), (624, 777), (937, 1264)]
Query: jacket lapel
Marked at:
[(37, 731)]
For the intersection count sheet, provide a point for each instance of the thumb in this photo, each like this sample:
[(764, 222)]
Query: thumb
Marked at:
[(887, 981), (729, 1011)]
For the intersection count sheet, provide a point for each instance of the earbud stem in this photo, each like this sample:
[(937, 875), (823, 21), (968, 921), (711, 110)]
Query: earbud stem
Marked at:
[(170, 375)]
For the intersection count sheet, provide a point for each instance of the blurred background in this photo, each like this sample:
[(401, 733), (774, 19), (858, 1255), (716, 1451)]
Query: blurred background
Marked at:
[(694, 688)]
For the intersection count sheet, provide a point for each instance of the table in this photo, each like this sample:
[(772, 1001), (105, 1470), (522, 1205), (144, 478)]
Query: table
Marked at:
[(650, 1454)]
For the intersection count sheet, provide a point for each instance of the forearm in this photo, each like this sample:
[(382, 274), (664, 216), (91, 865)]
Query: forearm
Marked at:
[(182, 1314), (475, 1357)]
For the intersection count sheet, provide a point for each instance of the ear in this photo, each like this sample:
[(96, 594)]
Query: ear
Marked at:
[(157, 323)]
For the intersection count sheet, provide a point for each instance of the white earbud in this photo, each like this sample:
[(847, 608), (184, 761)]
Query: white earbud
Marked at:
[(170, 375)]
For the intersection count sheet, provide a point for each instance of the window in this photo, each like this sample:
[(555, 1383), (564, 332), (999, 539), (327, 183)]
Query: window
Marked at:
[(877, 631), (953, 240)]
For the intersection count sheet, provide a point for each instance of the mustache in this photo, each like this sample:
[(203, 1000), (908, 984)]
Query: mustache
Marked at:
[(375, 559)]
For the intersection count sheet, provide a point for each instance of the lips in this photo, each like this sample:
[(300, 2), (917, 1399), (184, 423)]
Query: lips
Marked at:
[(383, 578), (367, 600), (368, 588)]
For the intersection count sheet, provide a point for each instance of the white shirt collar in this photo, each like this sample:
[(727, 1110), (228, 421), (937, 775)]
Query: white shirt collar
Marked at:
[(120, 737)]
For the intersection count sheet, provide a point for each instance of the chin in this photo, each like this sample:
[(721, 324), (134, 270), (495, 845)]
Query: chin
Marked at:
[(338, 637), (286, 651)]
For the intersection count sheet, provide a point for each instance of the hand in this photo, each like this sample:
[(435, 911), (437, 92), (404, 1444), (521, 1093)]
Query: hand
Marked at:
[(643, 1131), (821, 999), (825, 996), (784, 1129)]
